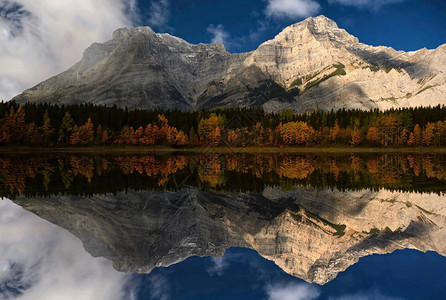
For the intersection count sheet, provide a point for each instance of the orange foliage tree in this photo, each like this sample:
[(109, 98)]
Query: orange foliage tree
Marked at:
[(297, 133)]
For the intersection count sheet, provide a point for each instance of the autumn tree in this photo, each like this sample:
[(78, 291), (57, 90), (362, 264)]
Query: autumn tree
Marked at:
[(164, 127), (105, 136), (335, 131), (84, 134), (193, 138), (125, 136), (4, 137), (98, 136), (151, 135), (74, 137), (388, 128), (47, 129), (297, 133), (209, 130), (15, 125), (373, 136), (231, 138), (411, 140), (176, 138), (404, 136), (417, 135), (66, 128), (355, 137), (428, 134), (440, 133), (138, 136), (33, 134)]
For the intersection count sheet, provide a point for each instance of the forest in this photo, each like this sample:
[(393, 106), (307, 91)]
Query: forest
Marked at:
[(86, 124)]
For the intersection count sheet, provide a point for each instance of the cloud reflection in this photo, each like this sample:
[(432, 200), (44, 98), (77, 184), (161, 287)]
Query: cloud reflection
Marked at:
[(292, 291), (39, 260)]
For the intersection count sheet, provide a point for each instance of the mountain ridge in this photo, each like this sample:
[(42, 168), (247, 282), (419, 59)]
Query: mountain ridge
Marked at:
[(310, 234), (310, 65)]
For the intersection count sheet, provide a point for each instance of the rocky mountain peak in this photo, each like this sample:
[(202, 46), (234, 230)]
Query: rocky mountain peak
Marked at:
[(123, 34), (320, 28), (310, 65), (325, 28)]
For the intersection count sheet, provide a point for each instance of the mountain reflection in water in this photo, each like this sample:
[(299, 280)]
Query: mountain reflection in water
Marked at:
[(312, 215)]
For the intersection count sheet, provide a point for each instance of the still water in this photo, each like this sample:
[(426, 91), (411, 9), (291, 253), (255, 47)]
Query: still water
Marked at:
[(223, 226)]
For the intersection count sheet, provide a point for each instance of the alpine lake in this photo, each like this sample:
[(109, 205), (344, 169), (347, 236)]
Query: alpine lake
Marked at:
[(223, 225)]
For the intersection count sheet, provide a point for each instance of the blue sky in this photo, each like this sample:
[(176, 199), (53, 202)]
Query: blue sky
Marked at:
[(244, 274), (401, 24), (39, 39)]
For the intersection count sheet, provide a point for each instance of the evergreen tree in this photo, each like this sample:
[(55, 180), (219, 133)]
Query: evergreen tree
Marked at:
[(193, 139), (66, 128), (47, 129)]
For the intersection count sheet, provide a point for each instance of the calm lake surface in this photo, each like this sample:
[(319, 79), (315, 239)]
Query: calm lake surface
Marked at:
[(223, 226)]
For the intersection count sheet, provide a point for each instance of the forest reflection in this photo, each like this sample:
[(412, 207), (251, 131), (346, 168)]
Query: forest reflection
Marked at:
[(92, 174)]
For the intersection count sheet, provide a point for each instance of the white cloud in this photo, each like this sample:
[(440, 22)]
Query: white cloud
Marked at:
[(43, 261), (291, 8), (368, 4), (219, 265), (42, 38), (159, 287), (219, 34), (296, 291), (159, 14)]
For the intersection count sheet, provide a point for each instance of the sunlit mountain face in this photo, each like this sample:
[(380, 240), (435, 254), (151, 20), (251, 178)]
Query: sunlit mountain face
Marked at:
[(248, 225)]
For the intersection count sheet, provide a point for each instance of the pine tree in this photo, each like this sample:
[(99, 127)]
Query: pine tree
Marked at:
[(105, 137), (373, 136), (417, 135), (335, 131), (99, 134), (47, 129), (15, 125), (428, 134), (66, 128), (411, 140), (193, 139), (356, 137)]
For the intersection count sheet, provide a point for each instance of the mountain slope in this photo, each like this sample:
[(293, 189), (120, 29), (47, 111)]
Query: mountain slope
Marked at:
[(310, 234), (309, 65)]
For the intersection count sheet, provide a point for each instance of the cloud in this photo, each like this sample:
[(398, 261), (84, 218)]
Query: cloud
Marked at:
[(159, 14), (219, 265), (39, 260), (42, 38), (219, 34), (292, 291), (291, 8), (365, 4), (159, 287)]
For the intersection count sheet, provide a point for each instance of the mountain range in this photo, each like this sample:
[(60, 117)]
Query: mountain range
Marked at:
[(310, 233), (310, 65)]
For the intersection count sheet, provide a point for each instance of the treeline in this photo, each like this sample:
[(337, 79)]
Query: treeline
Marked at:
[(86, 124)]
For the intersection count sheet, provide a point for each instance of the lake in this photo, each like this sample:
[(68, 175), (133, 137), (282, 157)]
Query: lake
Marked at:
[(223, 226)]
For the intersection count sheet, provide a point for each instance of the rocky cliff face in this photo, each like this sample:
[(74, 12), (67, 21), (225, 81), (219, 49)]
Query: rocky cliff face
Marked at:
[(309, 65), (311, 234)]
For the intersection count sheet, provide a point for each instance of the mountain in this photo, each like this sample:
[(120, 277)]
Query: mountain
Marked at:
[(309, 65), (310, 233)]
